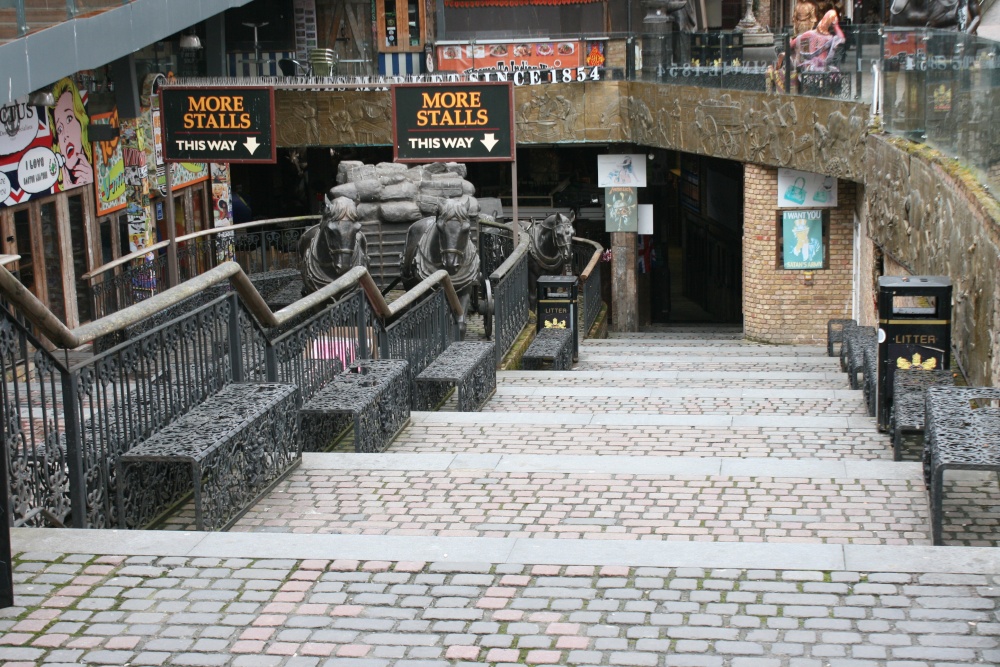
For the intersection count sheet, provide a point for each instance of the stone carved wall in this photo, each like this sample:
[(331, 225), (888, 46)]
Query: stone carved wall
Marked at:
[(813, 134), (332, 118), (931, 224)]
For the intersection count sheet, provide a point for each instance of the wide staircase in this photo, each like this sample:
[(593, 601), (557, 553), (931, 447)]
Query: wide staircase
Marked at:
[(682, 497)]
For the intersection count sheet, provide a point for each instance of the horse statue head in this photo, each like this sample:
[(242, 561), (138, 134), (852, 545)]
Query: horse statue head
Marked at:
[(453, 226), (552, 242), (551, 247), (443, 241), (328, 250)]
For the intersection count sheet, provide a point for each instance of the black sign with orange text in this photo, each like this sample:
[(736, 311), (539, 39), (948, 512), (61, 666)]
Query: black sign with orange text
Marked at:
[(218, 124), (445, 122)]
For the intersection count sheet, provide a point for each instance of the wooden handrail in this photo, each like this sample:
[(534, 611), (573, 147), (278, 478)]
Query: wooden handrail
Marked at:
[(54, 330), (594, 259), (138, 254)]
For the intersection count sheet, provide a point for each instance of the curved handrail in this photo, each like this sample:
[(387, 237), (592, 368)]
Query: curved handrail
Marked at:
[(205, 232), (54, 330), (8, 259), (594, 259)]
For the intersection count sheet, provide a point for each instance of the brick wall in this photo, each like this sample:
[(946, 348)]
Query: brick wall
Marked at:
[(782, 306)]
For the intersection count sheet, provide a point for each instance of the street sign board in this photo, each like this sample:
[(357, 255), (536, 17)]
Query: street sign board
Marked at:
[(218, 124), (446, 122)]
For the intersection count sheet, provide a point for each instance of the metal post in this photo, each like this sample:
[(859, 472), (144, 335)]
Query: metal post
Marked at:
[(236, 344), (6, 556), (858, 34), (786, 44), (173, 273), (513, 190), (362, 327), (74, 451)]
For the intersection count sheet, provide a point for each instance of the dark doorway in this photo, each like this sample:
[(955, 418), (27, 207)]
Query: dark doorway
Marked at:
[(690, 269)]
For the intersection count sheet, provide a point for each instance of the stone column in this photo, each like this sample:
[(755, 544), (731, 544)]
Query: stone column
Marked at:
[(624, 292)]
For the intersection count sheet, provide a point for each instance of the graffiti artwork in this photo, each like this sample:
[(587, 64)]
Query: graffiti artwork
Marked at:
[(44, 152)]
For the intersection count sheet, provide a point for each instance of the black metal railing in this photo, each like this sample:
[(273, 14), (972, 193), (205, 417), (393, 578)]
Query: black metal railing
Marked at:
[(586, 258), (310, 354), (509, 285), (66, 426), (419, 335), (259, 247)]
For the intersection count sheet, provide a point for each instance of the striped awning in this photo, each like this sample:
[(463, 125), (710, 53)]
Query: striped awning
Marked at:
[(513, 3)]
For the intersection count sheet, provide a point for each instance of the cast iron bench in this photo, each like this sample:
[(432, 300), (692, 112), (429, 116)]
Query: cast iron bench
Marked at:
[(551, 346), (844, 333), (373, 395), (852, 353), (906, 416), (962, 433), (238, 443), (835, 334), (468, 366), (869, 384)]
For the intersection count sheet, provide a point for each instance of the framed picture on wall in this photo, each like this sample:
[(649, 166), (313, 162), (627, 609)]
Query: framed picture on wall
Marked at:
[(803, 239)]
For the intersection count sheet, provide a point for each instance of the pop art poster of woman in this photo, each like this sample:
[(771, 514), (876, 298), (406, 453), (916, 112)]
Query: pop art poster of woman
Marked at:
[(69, 121)]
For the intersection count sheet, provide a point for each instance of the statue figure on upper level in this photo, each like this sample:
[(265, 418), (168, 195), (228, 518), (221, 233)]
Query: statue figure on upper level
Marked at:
[(803, 17), (681, 12)]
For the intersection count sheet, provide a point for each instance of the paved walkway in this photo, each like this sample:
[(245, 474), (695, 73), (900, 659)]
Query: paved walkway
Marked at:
[(766, 526)]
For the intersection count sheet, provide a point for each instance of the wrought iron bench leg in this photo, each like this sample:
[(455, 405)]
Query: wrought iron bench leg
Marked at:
[(936, 491)]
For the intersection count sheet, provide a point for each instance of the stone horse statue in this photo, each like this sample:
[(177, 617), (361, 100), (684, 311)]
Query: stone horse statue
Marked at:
[(328, 250), (550, 250), (444, 242)]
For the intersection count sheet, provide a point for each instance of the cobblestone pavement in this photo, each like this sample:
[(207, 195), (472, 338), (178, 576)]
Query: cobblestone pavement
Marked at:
[(687, 363), (596, 506), (766, 526), (245, 612), (803, 382), (435, 433), (650, 403)]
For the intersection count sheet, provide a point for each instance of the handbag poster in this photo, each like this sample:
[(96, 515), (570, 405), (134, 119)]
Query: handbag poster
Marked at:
[(805, 189)]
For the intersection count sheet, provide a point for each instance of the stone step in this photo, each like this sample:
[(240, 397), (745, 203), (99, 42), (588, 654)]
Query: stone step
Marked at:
[(433, 432), (674, 401), (503, 419), (704, 362), (621, 498), (699, 348), (694, 379)]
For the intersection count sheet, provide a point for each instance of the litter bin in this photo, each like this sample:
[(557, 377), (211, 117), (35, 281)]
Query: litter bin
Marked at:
[(557, 306), (914, 330)]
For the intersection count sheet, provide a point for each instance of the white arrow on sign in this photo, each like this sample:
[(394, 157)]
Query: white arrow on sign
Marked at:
[(251, 144), (489, 141)]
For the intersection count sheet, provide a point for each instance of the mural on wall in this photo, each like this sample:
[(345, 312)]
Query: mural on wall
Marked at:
[(182, 174), (45, 151), (137, 209), (109, 168), (222, 201), (512, 55)]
